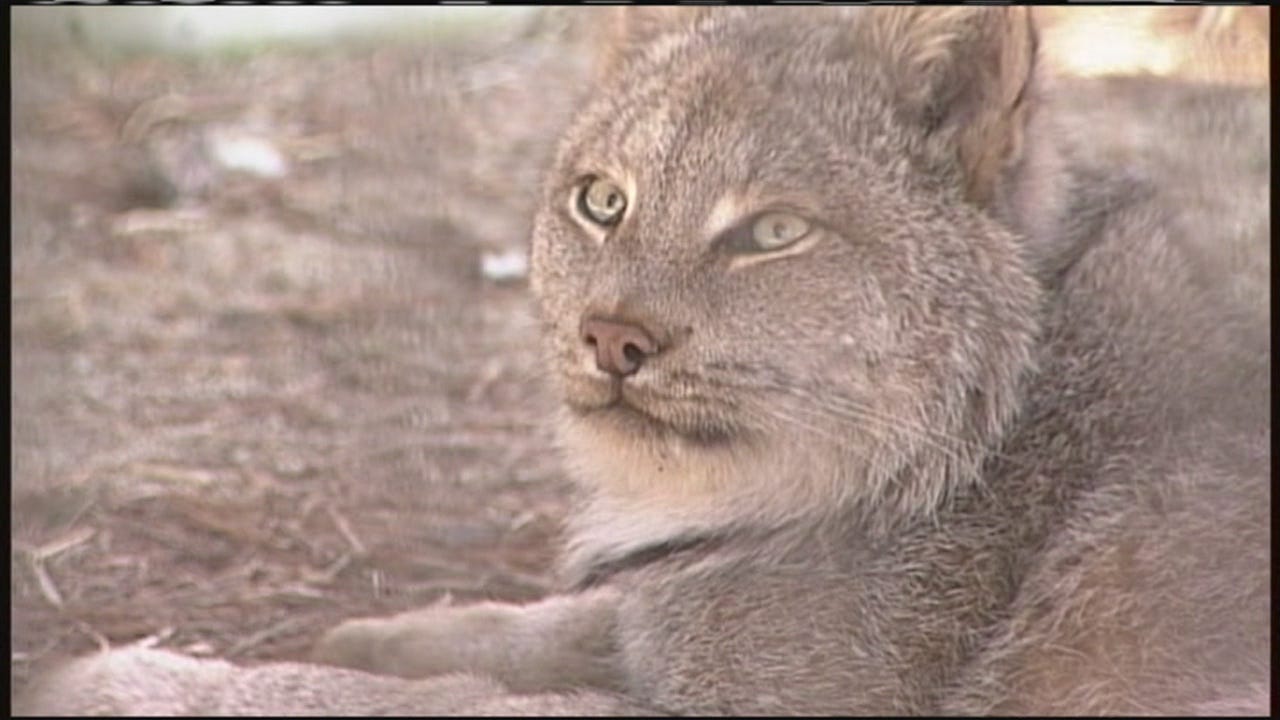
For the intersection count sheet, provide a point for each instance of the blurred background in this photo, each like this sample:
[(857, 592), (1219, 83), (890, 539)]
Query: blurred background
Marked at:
[(204, 29), (272, 356)]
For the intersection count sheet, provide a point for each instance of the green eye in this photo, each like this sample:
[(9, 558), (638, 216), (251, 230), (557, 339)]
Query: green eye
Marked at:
[(602, 202), (775, 230)]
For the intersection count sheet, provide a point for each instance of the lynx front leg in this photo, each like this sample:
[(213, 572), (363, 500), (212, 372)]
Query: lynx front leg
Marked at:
[(138, 681), (565, 641)]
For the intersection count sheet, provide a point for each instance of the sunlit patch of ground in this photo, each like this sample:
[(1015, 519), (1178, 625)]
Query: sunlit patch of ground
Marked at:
[(1220, 44)]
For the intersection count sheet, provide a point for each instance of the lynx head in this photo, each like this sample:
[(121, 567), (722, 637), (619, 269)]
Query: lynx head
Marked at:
[(764, 264)]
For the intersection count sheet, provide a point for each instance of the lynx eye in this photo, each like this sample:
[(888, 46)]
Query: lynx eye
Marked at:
[(602, 202), (775, 230)]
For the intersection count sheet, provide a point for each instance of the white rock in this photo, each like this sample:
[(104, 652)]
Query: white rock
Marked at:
[(248, 154), (508, 265)]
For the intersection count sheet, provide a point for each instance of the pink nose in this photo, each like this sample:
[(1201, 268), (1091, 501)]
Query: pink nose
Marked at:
[(621, 347)]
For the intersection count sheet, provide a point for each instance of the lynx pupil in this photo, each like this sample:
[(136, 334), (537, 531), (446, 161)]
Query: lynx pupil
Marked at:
[(602, 202), (777, 230)]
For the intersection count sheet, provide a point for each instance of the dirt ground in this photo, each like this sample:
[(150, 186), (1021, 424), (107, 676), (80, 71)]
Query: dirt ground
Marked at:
[(248, 406)]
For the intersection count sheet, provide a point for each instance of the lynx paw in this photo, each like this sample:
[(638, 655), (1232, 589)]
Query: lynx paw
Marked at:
[(422, 643)]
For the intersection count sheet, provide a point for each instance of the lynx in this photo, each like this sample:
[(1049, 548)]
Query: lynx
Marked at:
[(896, 378)]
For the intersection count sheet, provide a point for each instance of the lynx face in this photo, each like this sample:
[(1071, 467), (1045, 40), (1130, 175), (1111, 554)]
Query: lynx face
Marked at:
[(744, 249)]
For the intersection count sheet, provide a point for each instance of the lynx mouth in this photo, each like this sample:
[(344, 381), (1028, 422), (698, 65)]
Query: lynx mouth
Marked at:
[(638, 415)]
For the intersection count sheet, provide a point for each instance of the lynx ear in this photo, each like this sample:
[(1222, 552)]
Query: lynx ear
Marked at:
[(623, 30), (962, 72)]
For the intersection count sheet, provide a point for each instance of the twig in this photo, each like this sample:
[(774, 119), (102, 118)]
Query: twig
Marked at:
[(62, 544), (264, 635), (157, 637), (45, 583), (344, 527), (103, 644), (329, 573), (37, 556)]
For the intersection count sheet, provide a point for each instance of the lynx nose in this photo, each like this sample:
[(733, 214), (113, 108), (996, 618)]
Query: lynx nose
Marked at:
[(621, 346)]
